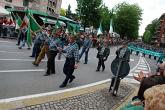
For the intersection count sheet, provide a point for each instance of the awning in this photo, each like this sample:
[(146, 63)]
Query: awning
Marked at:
[(3, 11), (51, 21)]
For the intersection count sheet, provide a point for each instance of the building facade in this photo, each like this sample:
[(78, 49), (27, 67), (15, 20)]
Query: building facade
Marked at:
[(52, 7), (159, 37)]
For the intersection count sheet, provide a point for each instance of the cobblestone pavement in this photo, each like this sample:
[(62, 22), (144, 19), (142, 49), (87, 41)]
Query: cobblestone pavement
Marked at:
[(97, 100)]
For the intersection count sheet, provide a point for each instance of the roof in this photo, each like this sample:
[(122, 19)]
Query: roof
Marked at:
[(43, 14)]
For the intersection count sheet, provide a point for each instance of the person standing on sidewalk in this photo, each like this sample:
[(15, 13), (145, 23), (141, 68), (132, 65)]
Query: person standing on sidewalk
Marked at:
[(72, 60), (86, 45), (103, 53)]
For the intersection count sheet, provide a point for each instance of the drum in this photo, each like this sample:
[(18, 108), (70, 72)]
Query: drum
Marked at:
[(124, 68)]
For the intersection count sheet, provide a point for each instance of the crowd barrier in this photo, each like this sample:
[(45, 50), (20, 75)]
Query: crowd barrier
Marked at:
[(145, 51)]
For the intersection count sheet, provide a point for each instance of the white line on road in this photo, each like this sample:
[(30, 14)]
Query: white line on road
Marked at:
[(137, 71), (142, 68), (26, 60), (145, 66), (132, 60), (10, 52), (6, 41), (30, 70)]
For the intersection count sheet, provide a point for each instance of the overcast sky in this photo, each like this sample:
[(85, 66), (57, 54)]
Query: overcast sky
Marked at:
[(151, 8)]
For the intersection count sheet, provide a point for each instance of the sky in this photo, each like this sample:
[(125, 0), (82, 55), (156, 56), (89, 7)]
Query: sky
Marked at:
[(151, 9)]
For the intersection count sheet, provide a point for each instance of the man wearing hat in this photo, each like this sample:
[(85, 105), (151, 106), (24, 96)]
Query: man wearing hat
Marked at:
[(72, 60), (120, 63), (53, 43), (103, 53), (87, 44)]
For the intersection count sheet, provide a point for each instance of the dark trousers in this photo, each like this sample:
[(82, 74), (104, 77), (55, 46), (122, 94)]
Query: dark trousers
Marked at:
[(68, 69), (20, 38), (51, 62), (101, 63), (117, 84), (1, 28), (37, 51), (86, 54)]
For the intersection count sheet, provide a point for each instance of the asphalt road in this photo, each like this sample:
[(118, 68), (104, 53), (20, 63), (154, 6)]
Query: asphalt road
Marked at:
[(18, 77)]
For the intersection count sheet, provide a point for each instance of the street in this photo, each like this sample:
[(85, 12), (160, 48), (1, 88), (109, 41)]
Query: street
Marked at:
[(19, 77)]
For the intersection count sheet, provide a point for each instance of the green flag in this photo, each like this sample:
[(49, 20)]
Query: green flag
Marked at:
[(57, 25), (28, 33), (111, 27), (34, 26), (99, 30), (19, 21)]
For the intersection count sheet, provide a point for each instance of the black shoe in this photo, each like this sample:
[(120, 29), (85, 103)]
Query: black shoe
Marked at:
[(97, 70), (85, 63), (28, 48), (17, 44), (103, 69), (31, 56), (53, 72), (20, 47), (72, 79), (46, 74), (62, 85)]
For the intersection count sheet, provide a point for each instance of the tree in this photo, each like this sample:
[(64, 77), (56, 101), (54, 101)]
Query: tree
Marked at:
[(105, 17), (127, 20), (62, 12), (150, 28), (89, 12), (147, 36)]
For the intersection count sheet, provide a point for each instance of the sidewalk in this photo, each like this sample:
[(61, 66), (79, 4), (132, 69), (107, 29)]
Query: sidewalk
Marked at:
[(90, 98)]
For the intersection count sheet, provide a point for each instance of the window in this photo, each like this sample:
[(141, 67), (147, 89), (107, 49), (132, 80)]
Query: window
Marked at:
[(9, 1)]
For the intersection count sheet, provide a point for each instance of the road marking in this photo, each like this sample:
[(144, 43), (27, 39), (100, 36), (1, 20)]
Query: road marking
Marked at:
[(15, 46), (10, 52), (142, 68), (6, 41), (137, 71), (27, 60), (132, 60), (28, 70)]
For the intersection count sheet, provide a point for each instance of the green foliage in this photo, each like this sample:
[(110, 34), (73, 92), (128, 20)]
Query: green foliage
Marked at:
[(127, 20), (150, 28), (105, 16), (62, 12), (147, 36), (89, 11)]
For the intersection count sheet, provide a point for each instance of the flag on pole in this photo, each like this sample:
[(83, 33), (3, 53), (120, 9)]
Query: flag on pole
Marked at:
[(18, 20), (99, 32), (34, 26), (111, 28), (28, 33)]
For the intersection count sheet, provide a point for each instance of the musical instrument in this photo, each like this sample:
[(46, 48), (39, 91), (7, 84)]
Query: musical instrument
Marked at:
[(124, 67)]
